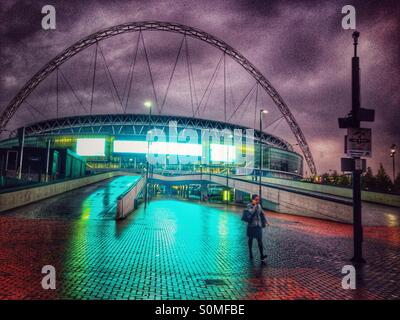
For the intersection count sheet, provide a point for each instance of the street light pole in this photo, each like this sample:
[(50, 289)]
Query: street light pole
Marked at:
[(147, 104), (227, 170), (262, 111), (392, 155)]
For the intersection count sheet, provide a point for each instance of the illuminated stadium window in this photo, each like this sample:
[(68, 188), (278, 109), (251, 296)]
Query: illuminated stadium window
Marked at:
[(90, 146), (220, 152), (185, 149), (129, 146), (180, 149)]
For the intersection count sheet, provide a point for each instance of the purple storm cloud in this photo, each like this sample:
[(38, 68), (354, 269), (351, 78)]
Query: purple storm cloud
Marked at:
[(300, 47)]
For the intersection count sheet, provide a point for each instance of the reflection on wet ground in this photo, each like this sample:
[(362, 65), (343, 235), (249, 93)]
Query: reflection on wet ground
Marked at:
[(177, 249), (96, 201)]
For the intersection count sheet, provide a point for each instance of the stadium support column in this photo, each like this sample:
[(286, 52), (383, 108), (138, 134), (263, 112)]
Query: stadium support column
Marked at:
[(21, 136), (203, 190), (262, 111), (48, 159), (148, 105), (239, 196)]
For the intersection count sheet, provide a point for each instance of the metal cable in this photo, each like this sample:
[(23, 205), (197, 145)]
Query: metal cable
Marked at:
[(243, 100), (172, 74), (212, 86), (190, 79), (57, 93), (256, 107), (208, 85), (94, 77), (72, 89), (281, 117), (151, 75), (192, 75), (112, 80), (130, 70), (34, 108), (31, 112)]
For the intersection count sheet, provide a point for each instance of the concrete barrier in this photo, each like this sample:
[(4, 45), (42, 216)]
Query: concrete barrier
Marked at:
[(126, 202), (279, 198), (374, 197), (20, 197)]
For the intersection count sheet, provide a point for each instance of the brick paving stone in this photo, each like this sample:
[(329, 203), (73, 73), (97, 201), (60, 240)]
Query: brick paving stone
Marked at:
[(186, 250)]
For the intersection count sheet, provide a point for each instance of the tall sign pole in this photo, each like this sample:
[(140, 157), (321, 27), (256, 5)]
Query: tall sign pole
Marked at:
[(260, 159), (355, 91), (357, 145)]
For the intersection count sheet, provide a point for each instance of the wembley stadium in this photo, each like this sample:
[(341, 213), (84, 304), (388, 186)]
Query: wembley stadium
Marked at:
[(60, 124), (116, 141)]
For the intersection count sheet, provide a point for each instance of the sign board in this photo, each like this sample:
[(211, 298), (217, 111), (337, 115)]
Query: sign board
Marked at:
[(350, 164), (359, 142), (358, 164)]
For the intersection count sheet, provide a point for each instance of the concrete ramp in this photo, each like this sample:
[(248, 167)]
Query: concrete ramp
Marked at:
[(97, 201), (16, 197), (293, 199), (277, 198)]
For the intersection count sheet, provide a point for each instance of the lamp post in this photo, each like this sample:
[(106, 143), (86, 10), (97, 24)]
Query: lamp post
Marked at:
[(148, 105), (227, 170), (262, 111), (147, 172), (392, 155)]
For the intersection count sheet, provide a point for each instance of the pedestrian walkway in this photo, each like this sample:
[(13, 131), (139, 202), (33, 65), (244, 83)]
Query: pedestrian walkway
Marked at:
[(177, 249), (96, 201)]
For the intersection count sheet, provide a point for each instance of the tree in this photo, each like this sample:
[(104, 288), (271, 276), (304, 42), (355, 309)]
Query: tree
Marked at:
[(325, 178), (335, 178), (344, 180), (368, 180), (383, 182), (396, 185)]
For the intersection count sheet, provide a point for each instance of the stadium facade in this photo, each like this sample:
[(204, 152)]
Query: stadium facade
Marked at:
[(115, 141)]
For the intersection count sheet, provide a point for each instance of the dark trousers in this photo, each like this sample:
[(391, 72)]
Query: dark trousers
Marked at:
[(260, 246)]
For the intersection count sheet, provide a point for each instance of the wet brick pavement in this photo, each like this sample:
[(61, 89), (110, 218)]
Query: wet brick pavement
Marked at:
[(177, 249)]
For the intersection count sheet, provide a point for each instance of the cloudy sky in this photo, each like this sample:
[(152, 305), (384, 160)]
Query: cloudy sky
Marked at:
[(299, 46)]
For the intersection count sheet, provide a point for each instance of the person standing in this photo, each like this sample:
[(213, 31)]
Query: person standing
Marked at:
[(256, 222)]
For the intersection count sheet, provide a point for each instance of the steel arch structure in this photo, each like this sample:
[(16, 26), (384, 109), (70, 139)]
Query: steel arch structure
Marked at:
[(128, 124), (168, 27)]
